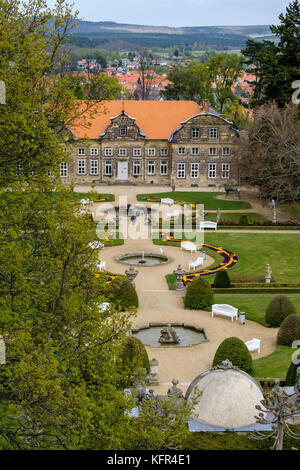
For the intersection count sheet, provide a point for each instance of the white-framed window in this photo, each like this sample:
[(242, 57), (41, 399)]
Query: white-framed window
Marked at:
[(213, 133), (137, 152), (136, 168), (163, 167), (225, 170), (64, 170), (195, 133), (108, 152), (225, 151), (81, 151), (180, 170), (195, 151), (181, 150), (81, 167), (94, 167), (108, 168), (151, 152), (213, 151), (123, 131), (122, 152), (194, 170), (93, 151), (212, 170), (151, 167), (163, 152)]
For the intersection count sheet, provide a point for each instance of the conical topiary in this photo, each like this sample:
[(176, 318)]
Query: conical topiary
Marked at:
[(290, 379), (278, 309), (289, 330), (199, 295), (133, 356), (222, 280), (243, 220), (236, 352)]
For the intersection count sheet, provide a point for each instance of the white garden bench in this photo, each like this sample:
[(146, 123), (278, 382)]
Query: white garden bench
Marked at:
[(174, 213), (190, 246), (167, 200), (253, 344), (224, 309), (194, 264), (101, 266), (208, 224)]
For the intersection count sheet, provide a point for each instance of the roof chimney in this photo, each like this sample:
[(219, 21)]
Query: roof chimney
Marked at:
[(205, 106)]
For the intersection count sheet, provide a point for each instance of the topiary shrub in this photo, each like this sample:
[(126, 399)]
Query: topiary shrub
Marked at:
[(199, 295), (133, 356), (122, 293), (236, 352), (290, 379), (243, 220), (289, 330), (278, 309), (222, 279)]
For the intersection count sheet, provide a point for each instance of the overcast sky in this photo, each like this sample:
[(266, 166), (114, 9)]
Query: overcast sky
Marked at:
[(182, 12)]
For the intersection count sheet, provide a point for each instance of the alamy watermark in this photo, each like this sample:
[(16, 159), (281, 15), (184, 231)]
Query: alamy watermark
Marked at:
[(296, 94), (296, 354), (2, 92)]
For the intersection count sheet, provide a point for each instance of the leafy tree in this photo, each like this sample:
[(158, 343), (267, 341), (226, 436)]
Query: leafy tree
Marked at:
[(277, 66), (269, 154)]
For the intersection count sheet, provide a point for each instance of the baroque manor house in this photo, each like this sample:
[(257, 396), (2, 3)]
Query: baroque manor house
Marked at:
[(152, 142)]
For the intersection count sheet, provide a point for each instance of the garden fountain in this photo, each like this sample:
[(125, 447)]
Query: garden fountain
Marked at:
[(167, 334)]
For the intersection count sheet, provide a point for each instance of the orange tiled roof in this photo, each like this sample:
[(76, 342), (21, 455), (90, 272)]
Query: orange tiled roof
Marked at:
[(157, 119)]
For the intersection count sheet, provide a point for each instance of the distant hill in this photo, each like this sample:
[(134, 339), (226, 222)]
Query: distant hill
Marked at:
[(139, 36)]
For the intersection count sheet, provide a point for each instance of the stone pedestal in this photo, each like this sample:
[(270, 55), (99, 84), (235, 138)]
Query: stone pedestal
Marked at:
[(179, 273), (153, 377), (131, 274)]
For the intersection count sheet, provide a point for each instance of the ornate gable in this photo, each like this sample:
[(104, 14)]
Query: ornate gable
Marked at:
[(123, 127)]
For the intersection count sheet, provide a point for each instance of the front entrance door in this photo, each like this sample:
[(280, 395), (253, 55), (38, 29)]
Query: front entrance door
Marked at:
[(123, 171)]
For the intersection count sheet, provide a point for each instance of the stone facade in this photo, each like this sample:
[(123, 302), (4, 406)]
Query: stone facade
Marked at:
[(200, 152)]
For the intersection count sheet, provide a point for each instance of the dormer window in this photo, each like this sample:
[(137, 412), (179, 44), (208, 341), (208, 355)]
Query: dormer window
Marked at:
[(123, 131), (195, 133)]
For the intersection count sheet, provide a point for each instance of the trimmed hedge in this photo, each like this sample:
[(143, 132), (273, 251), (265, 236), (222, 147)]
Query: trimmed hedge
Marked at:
[(278, 309), (133, 355), (122, 293), (289, 330), (199, 295), (290, 379), (222, 280), (243, 220), (236, 352)]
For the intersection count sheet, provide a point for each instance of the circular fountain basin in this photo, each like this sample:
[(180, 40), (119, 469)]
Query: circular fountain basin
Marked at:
[(150, 333), (140, 259)]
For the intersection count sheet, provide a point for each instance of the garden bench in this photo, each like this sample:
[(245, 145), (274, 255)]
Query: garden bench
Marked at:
[(224, 309), (253, 344), (190, 246), (167, 200), (232, 189), (208, 224), (101, 266), (194, 264), (174, 213)]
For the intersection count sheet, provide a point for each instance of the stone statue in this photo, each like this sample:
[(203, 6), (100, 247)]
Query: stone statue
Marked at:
[(268, 275), (168, 335), (175, 391)]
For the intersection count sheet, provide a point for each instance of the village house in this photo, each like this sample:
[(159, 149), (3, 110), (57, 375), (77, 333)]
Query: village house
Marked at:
[(180, 143)]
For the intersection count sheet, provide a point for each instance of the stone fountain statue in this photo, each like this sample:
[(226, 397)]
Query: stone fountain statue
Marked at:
[(168, 335)]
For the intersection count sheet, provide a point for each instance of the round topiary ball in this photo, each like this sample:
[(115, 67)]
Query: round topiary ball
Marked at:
[(199, 295), (236, 352), (278, 309), (133, 356), (222, 280), (289, 330), (122, 293)]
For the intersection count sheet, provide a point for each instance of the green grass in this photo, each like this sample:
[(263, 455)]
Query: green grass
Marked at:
[(234, 217), (254, 305), (207, 198), (292, 210), (275, 365), (255, 250)]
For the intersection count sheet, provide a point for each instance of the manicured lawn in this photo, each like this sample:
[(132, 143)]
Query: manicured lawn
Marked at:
[(255, 250), (292, 210), (208, 199), (274, 365), (254, 305), (234, 217)]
